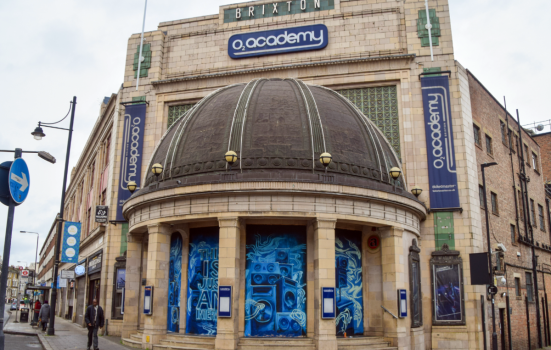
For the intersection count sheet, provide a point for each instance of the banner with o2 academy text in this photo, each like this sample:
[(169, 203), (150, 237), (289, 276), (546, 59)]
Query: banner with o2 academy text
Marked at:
[(131, 154), (444, 193)]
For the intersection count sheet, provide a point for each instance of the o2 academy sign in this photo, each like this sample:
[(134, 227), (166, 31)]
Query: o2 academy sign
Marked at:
[(270, 42)]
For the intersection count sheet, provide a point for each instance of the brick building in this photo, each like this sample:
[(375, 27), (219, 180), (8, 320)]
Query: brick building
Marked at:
[(544, 140)]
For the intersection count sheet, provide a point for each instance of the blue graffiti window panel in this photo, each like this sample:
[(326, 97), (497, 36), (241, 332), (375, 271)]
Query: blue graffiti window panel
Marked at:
[(275, 277), (348, 282), (202, 291), (174, 283)]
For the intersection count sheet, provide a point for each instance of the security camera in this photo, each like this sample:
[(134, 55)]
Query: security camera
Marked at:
[(502, 247), (518, 254)]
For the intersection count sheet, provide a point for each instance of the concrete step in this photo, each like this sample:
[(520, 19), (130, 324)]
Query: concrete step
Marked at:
[(361, 340), (175, 347), (137, 337), (191, 338), (276, 343), (188, 342), (132, 343)]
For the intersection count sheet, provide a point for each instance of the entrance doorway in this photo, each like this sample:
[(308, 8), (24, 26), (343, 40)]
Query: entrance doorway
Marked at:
[(93, 292), (174, 283), (348, 283), (275, 281), (502, 327)]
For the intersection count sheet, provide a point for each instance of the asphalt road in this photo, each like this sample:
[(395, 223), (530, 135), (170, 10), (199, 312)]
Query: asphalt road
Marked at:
[(20, 342)]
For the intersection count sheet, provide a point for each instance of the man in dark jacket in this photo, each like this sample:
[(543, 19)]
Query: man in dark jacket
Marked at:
[(44, 315), (94, 318)]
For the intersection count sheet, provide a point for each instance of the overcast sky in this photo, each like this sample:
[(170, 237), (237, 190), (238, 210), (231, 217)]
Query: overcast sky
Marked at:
[(54, 50)]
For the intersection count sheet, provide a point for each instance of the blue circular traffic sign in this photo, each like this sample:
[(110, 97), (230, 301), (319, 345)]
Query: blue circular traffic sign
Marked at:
[(19, 180)]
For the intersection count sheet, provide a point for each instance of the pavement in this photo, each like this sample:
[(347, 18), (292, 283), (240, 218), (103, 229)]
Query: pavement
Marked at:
[(68, 336)]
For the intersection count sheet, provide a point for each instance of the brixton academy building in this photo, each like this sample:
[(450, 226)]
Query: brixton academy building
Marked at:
[(296, 162)]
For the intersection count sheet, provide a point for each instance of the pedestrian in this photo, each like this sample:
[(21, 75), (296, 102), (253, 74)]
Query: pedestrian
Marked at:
[(44, 315), (37, 307), (94, 318)]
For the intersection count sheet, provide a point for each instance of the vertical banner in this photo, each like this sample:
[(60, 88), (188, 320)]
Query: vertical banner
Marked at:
[(71, 242), (444, 193), (131, 153)]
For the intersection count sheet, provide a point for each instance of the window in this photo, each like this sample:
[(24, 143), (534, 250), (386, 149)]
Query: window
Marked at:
[(529, 286), (495, 209), (107, 150), (415, 285), (175, 112), (481, 195), (532, 213), (517, 286), (476, 132), (510, 134), (503, 132), (489, 145), (540, 214), (513, 234), (88, 222), (520, 207), (120, 279), (534, 161)]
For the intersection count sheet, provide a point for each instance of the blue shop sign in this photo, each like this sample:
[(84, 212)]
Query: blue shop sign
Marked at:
[(271, 42)]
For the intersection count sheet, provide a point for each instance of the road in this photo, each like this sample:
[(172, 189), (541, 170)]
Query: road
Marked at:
[(19, 342)]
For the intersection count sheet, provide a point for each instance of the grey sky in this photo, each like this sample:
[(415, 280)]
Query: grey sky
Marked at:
[(56, 49)]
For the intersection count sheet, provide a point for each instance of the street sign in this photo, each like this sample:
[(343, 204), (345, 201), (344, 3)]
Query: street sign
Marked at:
[(492, 290), (20, 268), (101, 213), (19, 180), (68, 274), (25, 273)]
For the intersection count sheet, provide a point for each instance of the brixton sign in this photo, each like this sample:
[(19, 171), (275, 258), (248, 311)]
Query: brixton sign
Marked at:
[(270, 42)]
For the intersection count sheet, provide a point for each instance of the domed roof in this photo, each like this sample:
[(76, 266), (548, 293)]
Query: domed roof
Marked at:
[(278, 128)]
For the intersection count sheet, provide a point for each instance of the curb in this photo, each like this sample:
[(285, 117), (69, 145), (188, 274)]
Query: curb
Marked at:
[(44, 342), (18, 333)]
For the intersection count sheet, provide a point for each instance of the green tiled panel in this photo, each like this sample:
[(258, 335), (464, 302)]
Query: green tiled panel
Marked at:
[(380, 104), (124, 241), (138, 99), (146, 64), (282, 10), (423, 32), (444, 230), (175, 112), (432, 70)]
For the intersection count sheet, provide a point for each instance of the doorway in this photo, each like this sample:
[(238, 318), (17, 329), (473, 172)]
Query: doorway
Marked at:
[(502, 327), (94, 290)]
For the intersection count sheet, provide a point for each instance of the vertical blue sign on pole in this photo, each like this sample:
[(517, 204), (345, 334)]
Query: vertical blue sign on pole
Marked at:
[(131, 154), (71, 242), (444, 193)]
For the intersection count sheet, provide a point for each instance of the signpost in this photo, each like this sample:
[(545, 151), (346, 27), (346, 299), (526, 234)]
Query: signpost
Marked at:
[(101, 213)]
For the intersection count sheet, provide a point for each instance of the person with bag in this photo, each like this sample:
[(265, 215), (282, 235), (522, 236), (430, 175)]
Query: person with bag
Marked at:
[(94, 319), (37, 307), (44, 315)]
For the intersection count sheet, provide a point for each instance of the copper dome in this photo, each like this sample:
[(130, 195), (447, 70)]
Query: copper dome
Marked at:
[(279, 128)]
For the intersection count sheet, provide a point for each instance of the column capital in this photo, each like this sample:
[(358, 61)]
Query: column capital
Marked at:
[(391, 231), (134, 237), (232, 221), (160, 228), (326, 223)]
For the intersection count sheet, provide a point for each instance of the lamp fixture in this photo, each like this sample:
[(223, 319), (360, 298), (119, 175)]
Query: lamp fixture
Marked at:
[(326, 159), (395, 172), (157, 169), (416, 190), (38, 133), (132, 186), (231, 157)]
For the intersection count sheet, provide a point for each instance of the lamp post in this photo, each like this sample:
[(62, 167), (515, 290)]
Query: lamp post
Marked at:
[(494, 334), (38, 134), (35, 256)]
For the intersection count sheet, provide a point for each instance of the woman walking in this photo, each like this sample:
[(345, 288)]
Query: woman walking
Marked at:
[(44, 315)]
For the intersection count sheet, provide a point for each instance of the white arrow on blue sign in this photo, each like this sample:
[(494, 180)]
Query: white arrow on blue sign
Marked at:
[(19, 180)]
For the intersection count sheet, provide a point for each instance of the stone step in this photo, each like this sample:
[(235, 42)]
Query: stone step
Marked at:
[(188, 342), (137, 337), (361, 340), (132, 343), (191, 338), (276, 344), (175, 347), (366, 347)]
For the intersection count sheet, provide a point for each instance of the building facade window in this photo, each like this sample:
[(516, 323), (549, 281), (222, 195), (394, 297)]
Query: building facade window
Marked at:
[(513, 234), (532, 213), (540, 215), (517, 286), (175, 112), (495, 207), (503, 128), (380, 104), (489, 148), (535, 161), (529, 286), (481, 195), (476, 132)]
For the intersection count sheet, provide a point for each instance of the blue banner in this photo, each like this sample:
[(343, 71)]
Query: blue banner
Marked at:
[(71, 242), (444, 193), (271, 42), (131, 154)]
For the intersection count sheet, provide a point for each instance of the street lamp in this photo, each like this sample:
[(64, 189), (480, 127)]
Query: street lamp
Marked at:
[(395, 173), (38, 135), (231, 157), (157, 169), (325, 159), (494, 334), (416, 190)]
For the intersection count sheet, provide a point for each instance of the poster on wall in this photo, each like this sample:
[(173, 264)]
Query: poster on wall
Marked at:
[(447, 292), (444, 193), (348, 283), (174, 283), (202, 289), (131, 153), (275, 281)]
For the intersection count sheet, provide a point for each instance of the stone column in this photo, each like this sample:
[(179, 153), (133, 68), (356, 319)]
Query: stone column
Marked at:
[(325, 334), (394, 262), (158, 257), (132, 285), (227, 335)]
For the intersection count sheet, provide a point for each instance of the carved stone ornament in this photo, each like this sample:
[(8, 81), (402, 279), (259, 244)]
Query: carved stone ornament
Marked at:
[(415, 293)]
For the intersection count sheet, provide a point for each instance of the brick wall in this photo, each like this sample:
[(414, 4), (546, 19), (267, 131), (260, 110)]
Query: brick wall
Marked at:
[(488, 115), (544, 140)]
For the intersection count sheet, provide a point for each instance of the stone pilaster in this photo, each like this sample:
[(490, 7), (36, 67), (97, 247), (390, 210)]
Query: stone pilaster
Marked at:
[(227, 335), (394, 261), (325, 334), (132, 285), (158, 257)]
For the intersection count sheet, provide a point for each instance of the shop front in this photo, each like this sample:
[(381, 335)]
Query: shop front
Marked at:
[(80, 292)]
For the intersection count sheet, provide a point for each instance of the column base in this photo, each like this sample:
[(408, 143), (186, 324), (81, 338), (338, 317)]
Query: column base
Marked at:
[(226, 341), (326, 342)]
